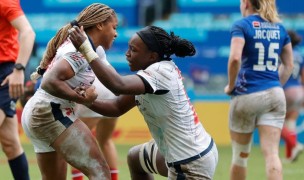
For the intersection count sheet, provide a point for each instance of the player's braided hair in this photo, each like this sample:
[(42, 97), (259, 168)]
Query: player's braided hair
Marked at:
[(266, 9), (172, 44), (88, 17)]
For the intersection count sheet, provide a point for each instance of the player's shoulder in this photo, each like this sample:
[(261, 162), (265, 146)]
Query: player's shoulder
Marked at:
[(9, 4), (66, 47), (69, 52), (101, 52), (10, 9), (76, 60), (240, 24), (162, 66), (74, 56), (251, 20), (162, 70)]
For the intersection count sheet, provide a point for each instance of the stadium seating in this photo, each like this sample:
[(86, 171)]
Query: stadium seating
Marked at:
[(205, 23)]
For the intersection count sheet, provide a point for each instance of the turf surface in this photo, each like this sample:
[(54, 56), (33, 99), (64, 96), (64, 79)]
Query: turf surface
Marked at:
[(256, 165)]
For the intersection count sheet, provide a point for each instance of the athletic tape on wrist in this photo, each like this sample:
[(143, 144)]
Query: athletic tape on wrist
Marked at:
[(35, 76), (87, 51)]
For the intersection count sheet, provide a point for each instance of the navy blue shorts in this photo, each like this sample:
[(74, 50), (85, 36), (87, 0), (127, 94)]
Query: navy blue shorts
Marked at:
[(7, 104)]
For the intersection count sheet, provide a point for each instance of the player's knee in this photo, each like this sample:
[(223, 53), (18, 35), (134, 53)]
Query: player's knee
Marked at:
[(133, 156), (240, 153), (11, 148), (12, 152), (148, 157)]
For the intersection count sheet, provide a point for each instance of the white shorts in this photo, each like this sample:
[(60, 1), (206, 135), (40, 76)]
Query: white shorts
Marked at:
[(43, 120), (201, 168), (261, 108), (103, 93)]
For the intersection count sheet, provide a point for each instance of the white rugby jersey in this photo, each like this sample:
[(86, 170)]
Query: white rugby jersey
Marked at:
[(102, 91), (169, 113), (84, 75)]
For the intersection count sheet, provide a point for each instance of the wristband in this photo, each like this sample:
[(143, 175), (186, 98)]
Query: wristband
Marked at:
[(87, 51), (35, 76)]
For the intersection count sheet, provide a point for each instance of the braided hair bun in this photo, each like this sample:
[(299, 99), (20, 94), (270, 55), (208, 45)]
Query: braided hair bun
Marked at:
[(181, 47), (171, 44)]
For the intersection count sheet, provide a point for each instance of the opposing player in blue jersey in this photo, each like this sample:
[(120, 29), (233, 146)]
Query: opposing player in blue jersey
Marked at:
[(294, 99), (254, 82)]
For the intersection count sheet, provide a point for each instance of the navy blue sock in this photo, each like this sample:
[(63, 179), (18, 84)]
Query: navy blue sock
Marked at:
[(19, 167)]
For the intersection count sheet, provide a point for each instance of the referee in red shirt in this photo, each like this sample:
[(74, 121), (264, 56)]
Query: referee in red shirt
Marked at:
[(16, 42)]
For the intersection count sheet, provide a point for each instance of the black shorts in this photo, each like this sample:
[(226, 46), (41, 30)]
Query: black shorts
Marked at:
[(7, 104)]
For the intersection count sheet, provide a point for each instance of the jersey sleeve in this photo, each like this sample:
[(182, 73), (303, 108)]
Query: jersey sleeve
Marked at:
[(156, 77), (10, 9), (237, 29), (287, 37), (102, 55), (76, 60)]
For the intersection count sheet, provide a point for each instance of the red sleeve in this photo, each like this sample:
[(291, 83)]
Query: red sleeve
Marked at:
[(10, 9)]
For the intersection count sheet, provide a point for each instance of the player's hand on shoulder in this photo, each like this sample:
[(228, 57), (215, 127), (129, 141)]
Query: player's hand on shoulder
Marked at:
[(77, 36)]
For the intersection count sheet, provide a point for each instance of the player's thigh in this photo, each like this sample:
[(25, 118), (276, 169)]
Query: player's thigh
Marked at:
[(9, 127), (52, 165), (241, 138), (133, 158), (105, 128), (79, 148), (269, 139), (2, 116), (294, 98), (9, 137), (91, 122), (147, 158)]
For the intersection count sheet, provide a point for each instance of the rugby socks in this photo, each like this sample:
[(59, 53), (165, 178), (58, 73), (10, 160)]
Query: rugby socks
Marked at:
[(114, 173), (290, 138), (76, 174), (19, 167)]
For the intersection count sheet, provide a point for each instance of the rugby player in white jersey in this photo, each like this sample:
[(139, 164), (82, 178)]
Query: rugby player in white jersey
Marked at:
[(158, 91), (49, 119), (101, 126)]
